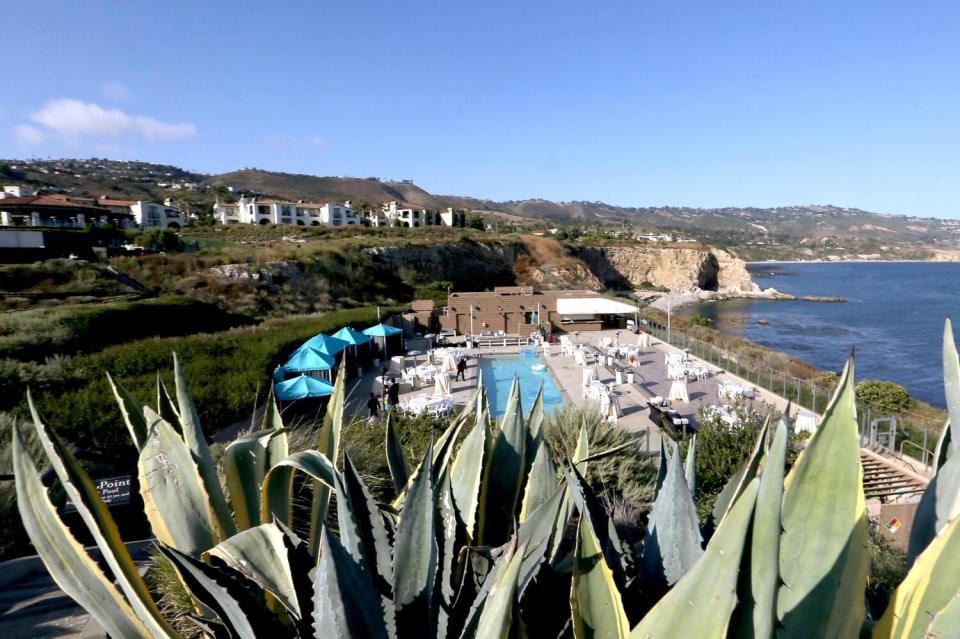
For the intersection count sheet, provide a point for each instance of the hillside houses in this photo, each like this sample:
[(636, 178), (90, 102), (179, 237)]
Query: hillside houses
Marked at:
[(253, 210), (20, 206)]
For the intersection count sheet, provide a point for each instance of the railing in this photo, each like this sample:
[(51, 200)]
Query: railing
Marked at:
[(927, 456), (806, 393)]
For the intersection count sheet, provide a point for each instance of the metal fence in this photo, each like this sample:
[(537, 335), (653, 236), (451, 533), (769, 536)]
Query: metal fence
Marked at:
[(913, 434)]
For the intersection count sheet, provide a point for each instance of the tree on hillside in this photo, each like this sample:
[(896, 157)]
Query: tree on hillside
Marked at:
[(475, 221)]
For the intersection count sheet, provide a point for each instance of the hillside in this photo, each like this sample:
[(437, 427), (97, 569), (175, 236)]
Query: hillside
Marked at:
[(797, 232)]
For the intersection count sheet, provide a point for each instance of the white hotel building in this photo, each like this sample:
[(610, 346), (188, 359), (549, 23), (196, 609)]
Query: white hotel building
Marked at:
[(255, 211)]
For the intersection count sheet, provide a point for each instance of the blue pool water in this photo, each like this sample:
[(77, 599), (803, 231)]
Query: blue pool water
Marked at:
[(498, 374)]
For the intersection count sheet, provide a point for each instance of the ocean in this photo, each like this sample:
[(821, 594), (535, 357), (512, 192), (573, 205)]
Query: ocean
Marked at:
[(893, 315)]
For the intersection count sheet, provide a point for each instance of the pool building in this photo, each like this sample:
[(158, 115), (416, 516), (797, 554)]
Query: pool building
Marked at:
[(520, 310)]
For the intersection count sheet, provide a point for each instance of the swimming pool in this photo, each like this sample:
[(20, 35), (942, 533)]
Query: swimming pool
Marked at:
[(498, 374)]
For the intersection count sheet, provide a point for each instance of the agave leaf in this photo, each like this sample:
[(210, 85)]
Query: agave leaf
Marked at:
[(238, 608), (328, 443), (65, 559), (609, 452), (165, 406), (823, 548), (132, 410), (580, 456), (466, 476), (672, 544), (396, 458), (362, 531), (690, 466), (944, 444), (345, 603), (260, 554), (757, 616), (271, 413), (415, 555), (939, 505), (99, 522), (197, 443), (534, 428), (601, 524), (739, 481), (245, 463), (175, 500), (946, 620), (940, 502), (447, 528), (701, 603), (951, 383), (661, 467), (497, 613), (595, 603), (535, 535), (930, 587), (503, 477), (275, 492), (541, 483)]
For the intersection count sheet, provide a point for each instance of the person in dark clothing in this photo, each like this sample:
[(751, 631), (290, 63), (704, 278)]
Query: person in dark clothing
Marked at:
[(393, 394), (461, 369), (373, 405)]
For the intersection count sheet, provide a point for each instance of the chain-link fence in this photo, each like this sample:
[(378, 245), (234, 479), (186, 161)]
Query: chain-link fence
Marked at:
[(915, 434)]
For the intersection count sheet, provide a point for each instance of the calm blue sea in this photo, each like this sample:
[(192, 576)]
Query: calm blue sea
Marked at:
[(894, 317)]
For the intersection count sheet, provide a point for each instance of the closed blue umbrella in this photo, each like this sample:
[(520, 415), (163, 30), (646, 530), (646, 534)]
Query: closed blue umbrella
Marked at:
[(302, 387)]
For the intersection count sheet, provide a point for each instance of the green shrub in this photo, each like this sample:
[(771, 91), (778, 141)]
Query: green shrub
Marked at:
[(887, 397)]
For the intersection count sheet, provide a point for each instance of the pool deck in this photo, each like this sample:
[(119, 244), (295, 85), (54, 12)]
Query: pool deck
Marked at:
[(651, 380)]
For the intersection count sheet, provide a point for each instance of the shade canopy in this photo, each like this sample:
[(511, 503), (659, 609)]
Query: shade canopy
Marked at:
[(302, 387), (308, 359), (592, 306), (326, 344), (381, 330), (351, 336)]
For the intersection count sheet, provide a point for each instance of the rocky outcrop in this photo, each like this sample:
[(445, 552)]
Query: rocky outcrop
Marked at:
[(568, 275), (678, 269), (469, 265)]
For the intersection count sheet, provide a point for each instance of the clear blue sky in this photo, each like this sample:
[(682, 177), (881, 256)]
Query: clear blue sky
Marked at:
[(633, 103)]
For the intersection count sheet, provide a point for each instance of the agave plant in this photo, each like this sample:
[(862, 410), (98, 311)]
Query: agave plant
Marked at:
[(492, 536)]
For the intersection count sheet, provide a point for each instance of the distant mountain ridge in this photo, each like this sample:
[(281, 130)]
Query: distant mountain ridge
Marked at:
[(798, 225)]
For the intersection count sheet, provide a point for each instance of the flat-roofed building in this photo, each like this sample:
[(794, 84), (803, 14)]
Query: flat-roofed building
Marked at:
[(521, 310)]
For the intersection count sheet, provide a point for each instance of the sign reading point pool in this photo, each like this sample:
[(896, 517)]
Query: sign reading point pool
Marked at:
[(115, 491)]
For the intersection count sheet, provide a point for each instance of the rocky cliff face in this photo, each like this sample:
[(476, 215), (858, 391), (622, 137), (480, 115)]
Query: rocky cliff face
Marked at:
[(678, 269), (470, 266)]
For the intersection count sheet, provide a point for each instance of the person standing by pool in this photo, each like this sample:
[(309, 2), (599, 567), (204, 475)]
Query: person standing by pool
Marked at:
[(373, 406), (461, 369), (393, 394)]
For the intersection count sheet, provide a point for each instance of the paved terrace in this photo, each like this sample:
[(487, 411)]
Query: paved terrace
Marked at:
[(651, 380)]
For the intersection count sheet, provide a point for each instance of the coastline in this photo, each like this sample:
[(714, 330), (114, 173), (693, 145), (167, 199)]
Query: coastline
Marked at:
[(748, 263)]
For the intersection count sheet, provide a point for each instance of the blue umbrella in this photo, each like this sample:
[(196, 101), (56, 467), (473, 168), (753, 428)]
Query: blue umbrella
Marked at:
[(352, 336), (306, 359), (302, 387), (326, 344), (381, 330)]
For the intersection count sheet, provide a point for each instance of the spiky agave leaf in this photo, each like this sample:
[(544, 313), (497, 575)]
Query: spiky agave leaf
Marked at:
[(416, 556), (535, 534), (672, 544), (175, 499), (196, 441), (65, 559), (927, 596), (580, 456), (345, 603), (534, 428), (396, 458), (595, 603), (503, 477), (940, 502), (131, 409), (823, 548), (467, 475), (759, 579), (701, 603), (495, 618), (690, 466), (541, 482), (165, 406), (276, 497), (328, 444), (245, 464), (362, 531)]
